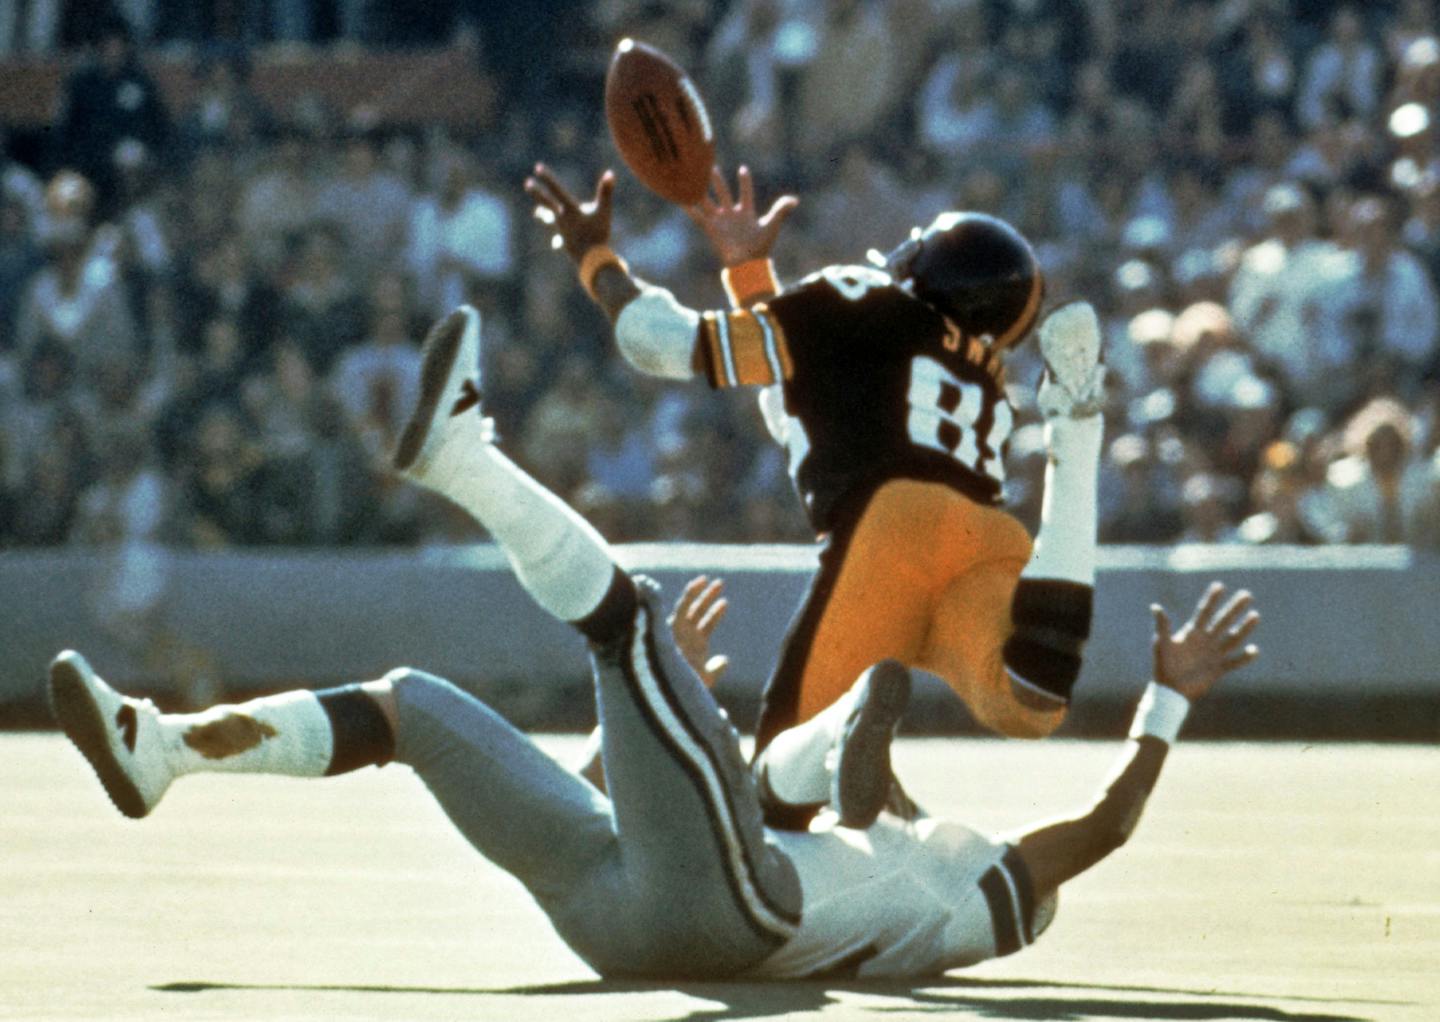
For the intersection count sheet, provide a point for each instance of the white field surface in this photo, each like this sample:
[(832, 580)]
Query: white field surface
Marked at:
[(1279, 882)]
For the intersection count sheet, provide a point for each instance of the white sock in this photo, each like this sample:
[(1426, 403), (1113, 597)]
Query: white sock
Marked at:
[(1065, 545), (287, 733), (557, 555), (797, 763)]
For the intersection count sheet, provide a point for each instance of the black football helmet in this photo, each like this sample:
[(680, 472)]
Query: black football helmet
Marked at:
[(977, 270)]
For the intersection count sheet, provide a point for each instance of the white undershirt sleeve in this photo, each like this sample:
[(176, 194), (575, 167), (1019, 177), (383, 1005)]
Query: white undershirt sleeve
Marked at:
[(656, 334)]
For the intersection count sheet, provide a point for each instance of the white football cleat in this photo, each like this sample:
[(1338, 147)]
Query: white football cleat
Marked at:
[(1074, 382), (449, 394), (121, 737), (860, 774)]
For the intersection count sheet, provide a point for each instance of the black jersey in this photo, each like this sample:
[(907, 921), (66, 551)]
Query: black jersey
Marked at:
[(877, 385)]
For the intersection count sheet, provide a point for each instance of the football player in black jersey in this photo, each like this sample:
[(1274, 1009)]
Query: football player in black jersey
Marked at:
[(885, 384)]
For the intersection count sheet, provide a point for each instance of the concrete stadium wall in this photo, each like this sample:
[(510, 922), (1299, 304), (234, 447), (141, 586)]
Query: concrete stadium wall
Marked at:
[(1340, 623)]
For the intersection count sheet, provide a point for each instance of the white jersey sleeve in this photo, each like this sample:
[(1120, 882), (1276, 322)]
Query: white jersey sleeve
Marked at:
[(902, 900)]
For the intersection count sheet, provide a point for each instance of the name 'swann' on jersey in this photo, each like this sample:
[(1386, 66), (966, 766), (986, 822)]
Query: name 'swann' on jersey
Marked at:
[(875, 384)]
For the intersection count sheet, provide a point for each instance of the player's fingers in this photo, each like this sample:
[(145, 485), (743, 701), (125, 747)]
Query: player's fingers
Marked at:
[(558, 192), (713, 616), (538, 192), (1206, 607), (687, 596), (747, 188), (779, 211), (604, 194), (1239, 660), (1162, 621), (1242, 631), (706, 597), (1231, 612), (721, 187), (548, 208)]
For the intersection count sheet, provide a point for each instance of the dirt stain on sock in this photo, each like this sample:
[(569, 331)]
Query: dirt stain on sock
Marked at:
[(231, 735)]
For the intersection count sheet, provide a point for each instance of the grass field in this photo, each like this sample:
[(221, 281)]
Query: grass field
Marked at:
[(1279, 882)]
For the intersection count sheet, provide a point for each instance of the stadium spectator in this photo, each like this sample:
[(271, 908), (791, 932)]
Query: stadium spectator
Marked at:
[(460, 244), (76, 300), (108, 102), (1206, 507), (221, 481), (1343, 74), (1282, 298), (30, 28), (1275, 500), (221, 284), (1131, 482), (368, 204), (855, 82), (20, 258), (1378, 493), (129, 502), (1421, 230), (320, 309), (1313, 219), (376, 381), (58, 466), (1258, 75), (225, 111), (1388, 299), (278, 203)]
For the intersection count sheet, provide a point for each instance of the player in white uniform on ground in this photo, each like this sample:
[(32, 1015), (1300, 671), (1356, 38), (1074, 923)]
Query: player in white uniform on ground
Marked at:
[(670, 874)]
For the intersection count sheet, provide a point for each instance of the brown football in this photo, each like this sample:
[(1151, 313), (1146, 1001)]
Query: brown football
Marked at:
[(659, 123)]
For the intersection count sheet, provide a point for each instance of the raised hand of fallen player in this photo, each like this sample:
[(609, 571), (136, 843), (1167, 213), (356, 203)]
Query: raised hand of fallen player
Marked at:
[(1208, 646), (700, 608), (578, 226), (736, 233)]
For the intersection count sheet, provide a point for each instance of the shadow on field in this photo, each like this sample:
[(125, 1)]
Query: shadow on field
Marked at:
[(984, 998)]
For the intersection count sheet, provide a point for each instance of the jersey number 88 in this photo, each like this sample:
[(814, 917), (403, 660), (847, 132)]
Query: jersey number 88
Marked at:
[(943, 412)]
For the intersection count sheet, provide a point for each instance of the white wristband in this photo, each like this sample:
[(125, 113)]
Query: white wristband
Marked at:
[(1161, 713)]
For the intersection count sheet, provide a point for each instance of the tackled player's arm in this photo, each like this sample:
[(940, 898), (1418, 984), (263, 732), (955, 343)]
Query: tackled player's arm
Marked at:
[(1188, 664)]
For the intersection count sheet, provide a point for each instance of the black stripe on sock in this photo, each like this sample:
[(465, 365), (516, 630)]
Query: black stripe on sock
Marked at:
[(1055, 605), (613, 617), (778, 813), (1051, 623), (362, 735), (1002, 912), (1025, 888)]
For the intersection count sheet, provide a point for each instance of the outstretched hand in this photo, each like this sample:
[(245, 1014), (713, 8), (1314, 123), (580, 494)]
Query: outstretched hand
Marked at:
[(1208, 646), (700, 608), (578, 226), (736, 232)]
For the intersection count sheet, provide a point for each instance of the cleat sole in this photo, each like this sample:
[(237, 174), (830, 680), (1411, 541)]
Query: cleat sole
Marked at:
[(438, 354), (863, 777), (83, 723)]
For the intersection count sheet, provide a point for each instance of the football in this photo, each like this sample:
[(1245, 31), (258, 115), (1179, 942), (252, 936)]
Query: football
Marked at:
[(659, 123)]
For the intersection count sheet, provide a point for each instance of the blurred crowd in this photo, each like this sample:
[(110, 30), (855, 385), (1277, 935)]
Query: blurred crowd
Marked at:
[(210, 314)]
